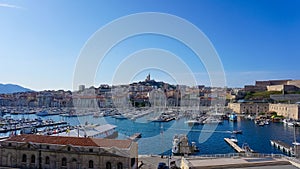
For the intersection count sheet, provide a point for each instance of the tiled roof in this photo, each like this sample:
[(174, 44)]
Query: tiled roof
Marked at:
[(76, 141), (112, 143)]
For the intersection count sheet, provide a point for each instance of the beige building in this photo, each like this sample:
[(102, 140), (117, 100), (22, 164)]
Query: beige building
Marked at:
[(281, 88), (294, 83), (249, 107), (287, 110), (37, 151)]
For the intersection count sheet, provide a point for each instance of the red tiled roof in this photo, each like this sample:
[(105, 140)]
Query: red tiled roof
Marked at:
[(76, 141)]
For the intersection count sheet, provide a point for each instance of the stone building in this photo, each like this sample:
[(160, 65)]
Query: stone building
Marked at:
[(249, 107), (294, 83), (272, 82), (252, 88), (290, 111), (285, 88), (37, 151)]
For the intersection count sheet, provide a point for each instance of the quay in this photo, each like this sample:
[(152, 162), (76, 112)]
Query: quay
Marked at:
[(284, 147), (214, 161), (234, 146), (239, 160)]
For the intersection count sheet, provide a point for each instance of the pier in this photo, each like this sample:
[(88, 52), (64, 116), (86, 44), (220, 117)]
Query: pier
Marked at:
[(234, 146), (284, 147)]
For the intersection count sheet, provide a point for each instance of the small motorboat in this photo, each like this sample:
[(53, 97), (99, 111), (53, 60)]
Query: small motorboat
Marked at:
[(237, 131), (233, 139), (247, 148)]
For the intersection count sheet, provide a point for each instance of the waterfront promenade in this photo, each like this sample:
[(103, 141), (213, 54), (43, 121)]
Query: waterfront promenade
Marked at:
[(233, 160)]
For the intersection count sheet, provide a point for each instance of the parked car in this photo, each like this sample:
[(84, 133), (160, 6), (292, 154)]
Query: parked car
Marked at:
[(162, 165)]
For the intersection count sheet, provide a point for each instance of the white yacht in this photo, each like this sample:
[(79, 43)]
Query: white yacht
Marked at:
[(233, 139)]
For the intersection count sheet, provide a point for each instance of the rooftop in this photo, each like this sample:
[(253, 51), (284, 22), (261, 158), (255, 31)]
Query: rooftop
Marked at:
[(240, 162), (76, 141)]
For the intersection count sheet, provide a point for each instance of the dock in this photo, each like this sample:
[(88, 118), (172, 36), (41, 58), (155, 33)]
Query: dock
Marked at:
[(284, 147), (234, 146)]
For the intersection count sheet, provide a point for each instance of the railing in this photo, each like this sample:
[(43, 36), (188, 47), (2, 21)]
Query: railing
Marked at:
[(293, 159), (237, 155), (296, 161)]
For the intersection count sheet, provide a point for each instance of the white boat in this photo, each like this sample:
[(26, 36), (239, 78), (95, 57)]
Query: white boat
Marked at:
[(195, 121), (233, 139), (212, 120), (191, 121), (237, 131), (261, 123)]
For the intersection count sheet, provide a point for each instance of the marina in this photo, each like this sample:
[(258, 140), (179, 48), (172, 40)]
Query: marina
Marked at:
[(202, 135), (8, 125)]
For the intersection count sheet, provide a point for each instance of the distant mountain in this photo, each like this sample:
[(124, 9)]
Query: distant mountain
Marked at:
[(12, 88)]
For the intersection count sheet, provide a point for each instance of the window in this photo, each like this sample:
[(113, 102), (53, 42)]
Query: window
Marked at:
[(24, 158), (90, 150), (108, 165), (48, 147), (120, 165), (47, 160), (91, 164), (64, 162), (28, 146), (69, 148), (9, 144), (32, 159)]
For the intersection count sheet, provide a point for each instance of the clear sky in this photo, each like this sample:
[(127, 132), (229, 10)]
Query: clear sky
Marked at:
[(41, 40)]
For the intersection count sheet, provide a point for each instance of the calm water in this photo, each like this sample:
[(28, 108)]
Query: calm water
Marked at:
[(157, 136)]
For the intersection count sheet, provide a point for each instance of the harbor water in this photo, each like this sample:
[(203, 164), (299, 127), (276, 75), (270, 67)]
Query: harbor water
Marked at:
[(157, 136)]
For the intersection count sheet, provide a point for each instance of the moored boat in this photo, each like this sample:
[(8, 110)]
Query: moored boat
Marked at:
[(233, 117), (42, 113), (237, 131), (233, 139)]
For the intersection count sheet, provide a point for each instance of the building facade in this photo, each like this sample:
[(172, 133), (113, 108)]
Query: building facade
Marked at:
[(281, 88), (249, 107), (290, 111), (47, 152)]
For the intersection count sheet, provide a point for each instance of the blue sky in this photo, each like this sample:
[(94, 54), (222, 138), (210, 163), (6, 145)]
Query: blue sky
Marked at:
[(41, 40)]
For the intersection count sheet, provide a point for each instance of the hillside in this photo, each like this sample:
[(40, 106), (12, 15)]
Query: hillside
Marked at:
[(12, 88)]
